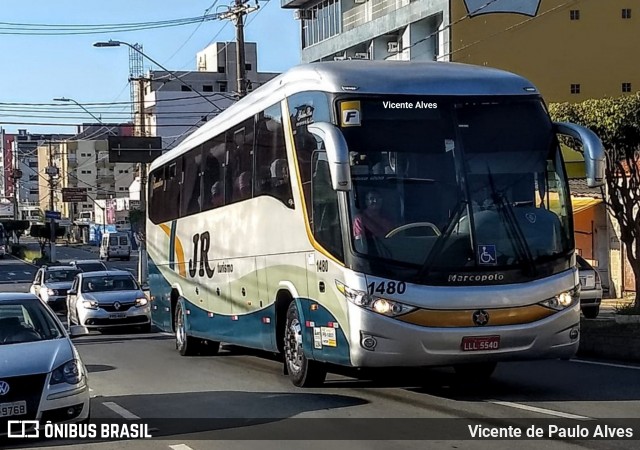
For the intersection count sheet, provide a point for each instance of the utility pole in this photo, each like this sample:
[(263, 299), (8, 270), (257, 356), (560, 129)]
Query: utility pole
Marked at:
[(236, 14), (143, 268), (52, 171)]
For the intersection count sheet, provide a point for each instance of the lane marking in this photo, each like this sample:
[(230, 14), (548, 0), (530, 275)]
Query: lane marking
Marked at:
[(120, 410), (549, 412), (596, 363), (180, 447)]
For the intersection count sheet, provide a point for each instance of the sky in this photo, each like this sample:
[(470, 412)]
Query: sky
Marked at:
[(38, 68)]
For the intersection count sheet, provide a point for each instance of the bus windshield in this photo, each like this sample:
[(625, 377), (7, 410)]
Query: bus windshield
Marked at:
[(458, 184)]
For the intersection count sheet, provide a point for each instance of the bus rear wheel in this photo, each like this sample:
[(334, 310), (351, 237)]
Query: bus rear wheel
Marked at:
[(302, 371)]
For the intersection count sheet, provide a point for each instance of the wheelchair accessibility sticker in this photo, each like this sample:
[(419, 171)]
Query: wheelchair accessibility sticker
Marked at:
[(487, 255)]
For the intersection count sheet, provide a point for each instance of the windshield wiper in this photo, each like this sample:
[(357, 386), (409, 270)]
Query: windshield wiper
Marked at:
[(442, 239), (521, 246)]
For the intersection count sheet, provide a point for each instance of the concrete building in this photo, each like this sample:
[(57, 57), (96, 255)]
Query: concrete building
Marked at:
[(178, 103), (83, 163)]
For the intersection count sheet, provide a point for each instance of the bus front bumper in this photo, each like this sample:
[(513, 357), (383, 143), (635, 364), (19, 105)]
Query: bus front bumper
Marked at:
[(380, 341)]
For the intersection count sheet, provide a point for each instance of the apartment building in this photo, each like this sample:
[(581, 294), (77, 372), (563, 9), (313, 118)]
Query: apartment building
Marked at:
[(177, 103), (83, 163)]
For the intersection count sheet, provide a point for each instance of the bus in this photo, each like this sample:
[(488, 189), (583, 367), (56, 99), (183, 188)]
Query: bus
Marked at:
[(372, 214)]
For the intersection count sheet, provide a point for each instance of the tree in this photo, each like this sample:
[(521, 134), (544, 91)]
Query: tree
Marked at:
[(617, 122), (43, 234), (15, 226)]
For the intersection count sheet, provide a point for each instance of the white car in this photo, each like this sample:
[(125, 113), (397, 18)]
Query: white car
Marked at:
[(41, 374), (108, 299)]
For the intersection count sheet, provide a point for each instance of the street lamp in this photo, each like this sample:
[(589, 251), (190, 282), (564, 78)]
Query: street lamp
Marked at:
[(112, 43), (64, 99)]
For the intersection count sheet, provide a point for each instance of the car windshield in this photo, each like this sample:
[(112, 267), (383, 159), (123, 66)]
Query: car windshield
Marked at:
[(26, 321), (91, 267), (60, 276), (109, 283)]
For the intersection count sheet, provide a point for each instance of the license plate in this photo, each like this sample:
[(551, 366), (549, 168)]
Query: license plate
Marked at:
[(479, 343), (117, 316), (13, 409)]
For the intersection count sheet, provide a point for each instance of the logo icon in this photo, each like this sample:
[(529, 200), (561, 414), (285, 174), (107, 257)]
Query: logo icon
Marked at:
[(487, 255), (24, 428), (531, 217), (117, 306), (480, 317), (4, 387)]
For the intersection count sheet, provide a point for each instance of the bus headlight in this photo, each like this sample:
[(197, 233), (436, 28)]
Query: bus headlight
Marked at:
[(563, 300), (379, 305)]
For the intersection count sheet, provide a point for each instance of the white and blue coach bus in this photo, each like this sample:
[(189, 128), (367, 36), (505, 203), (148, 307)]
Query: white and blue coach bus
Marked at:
[(372, 214)]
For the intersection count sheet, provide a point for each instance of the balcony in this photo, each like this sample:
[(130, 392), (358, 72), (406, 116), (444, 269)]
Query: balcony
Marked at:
[(72, 160), (104, 177), (102, 159), (371, 10)]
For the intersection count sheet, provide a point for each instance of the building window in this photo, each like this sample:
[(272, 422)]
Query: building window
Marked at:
[(574, 14), (33, 164), (184, 88), (626, 13), (575, 88), (247, 66), (222, 86), (320, 22), (121, 188), (220, 69), (626, 87), (207, 88)]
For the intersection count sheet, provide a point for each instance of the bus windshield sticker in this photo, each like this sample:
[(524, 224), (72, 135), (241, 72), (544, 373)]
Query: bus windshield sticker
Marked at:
[(487, 255), (350, 114)]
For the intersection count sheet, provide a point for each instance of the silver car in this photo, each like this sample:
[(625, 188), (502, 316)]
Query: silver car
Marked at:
[(51, 284), (108, 299), (590, 289), (41, 374)]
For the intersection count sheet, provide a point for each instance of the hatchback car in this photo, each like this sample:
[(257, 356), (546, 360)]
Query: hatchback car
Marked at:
[(41, 374), (108, 299), (89, 265), (51, 285), (590, 289)]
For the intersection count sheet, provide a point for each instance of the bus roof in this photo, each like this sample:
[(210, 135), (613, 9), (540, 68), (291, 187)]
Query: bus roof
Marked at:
[(363, 77)]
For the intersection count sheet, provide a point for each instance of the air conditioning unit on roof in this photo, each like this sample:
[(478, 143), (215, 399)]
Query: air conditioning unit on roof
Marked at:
[(303, 14)]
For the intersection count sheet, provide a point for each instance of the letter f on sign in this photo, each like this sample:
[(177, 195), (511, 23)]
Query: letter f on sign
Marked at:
[(350, 118)]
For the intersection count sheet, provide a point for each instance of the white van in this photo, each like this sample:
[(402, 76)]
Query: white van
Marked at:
[(115, 245)]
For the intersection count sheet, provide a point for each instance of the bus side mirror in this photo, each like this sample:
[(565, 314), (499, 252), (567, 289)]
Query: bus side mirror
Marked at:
[(337, 154), (594, 159)]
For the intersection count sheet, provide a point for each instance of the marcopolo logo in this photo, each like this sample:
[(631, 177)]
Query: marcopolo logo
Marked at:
[(475, 278), (4, 387)]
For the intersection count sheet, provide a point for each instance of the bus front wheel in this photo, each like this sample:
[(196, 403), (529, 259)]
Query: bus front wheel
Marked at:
[(303, 372)]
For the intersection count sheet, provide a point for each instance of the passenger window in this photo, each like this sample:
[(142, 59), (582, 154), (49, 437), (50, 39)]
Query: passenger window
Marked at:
[(124, 241), (113, 241), (240, 148), (272, 175), (214, 154), (190, 192)]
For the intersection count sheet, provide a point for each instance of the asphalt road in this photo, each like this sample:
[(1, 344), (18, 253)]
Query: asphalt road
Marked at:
[(183, 399)]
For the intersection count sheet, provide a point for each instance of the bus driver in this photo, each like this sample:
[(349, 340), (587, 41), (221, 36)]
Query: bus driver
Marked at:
[(371, 221)]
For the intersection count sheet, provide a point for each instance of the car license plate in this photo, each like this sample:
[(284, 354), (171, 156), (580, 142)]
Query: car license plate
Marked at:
[(478, 343), (117, 316), (13, 409)]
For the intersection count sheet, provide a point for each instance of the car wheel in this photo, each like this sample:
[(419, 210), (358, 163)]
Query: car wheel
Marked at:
[(302, 371), (591, 312)]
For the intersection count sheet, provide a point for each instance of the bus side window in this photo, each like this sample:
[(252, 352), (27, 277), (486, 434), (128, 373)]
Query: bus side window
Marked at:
[(191, 195), (240, 146), (326, 224), (272, 169)]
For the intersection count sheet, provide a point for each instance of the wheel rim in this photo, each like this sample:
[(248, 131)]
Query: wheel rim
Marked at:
[(180, 333), (293, 346)]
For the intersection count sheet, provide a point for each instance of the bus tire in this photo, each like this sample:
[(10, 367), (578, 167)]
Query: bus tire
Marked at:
[(476, 372), (186, 345), (302, 371)]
